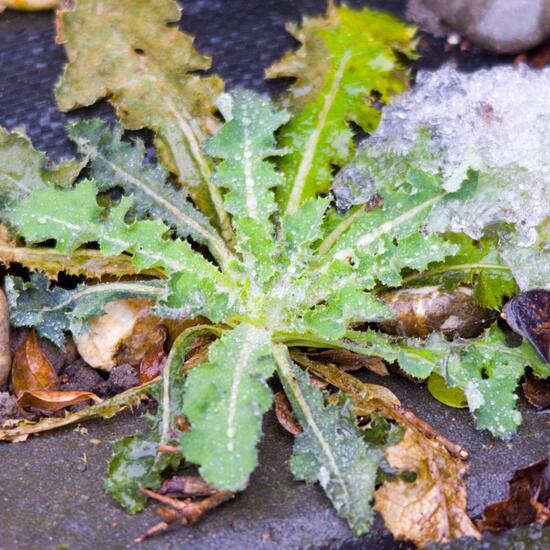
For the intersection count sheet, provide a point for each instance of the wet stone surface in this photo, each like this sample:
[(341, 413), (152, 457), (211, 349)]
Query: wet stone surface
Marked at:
[(51, 494)]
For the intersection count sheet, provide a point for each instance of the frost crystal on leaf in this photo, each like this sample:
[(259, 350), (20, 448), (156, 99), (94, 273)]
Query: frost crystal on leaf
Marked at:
[(494, 121)]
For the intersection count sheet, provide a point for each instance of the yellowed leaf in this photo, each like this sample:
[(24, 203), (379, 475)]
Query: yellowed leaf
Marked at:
[(433, 507)]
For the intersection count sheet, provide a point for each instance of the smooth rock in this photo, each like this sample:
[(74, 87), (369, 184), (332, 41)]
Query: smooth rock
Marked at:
[(501, 26)]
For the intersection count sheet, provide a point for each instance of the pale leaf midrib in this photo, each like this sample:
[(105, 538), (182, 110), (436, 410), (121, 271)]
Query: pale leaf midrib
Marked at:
[(281, 355), (315, 136)]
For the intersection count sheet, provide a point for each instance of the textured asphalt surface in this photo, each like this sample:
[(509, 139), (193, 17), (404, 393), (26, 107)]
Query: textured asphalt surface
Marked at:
[(50, 486)]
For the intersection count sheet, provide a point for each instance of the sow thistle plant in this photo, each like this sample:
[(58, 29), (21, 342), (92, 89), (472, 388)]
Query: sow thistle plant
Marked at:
[(252, 244)]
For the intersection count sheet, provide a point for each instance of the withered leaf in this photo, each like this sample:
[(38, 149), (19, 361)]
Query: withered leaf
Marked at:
[(528, 314), (283, 411), (54, 400), (186, 486), (537, 392), (5, 352), (349, 361), (152, 361), (31, 369), (21, 429), (528, 500), (433, 507)]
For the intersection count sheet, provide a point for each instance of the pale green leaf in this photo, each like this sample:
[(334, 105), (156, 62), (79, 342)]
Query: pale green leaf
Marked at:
[(224, 402), (244, 143), (119, 163), (345, 58)]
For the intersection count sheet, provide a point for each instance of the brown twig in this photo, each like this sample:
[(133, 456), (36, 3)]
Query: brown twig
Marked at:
[(185, 511), (402, 415)]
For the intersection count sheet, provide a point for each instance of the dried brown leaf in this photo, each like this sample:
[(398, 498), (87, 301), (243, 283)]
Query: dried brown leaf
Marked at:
[(528, 500), (54, 400), (350, 361), (31, 369), (152, 362), (283, 411), (537, 392), (433, 507), (21, 429), (5, 352)]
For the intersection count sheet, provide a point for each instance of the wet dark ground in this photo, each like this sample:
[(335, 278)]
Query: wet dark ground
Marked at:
[(50, 486)]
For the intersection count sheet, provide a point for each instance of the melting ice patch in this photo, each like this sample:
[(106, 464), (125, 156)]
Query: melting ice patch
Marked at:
[(495, 121)]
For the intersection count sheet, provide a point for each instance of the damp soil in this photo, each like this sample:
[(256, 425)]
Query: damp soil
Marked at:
[(51, 494)]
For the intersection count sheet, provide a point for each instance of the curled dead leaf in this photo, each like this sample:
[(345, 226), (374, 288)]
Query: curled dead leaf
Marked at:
[(528, 314), (54, 400), (433, 507), (152, 362), (5, 353), (537, 392), (185, 511), (186, 486), (528, 500), (283, 411), (31, 369), (123, 335), (19, 430)]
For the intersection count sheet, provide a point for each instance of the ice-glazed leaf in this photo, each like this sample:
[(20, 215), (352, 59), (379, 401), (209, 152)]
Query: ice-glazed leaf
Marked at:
[(374, 246), (224, 402), (494, 121), (52, 310), (330, 449), (119, 163), (476, 263), (330, 319), (528, 263), (345, 59), (486, 369), (24, 169), (137, 461), (73, 218), (131, 52), (244, 144)]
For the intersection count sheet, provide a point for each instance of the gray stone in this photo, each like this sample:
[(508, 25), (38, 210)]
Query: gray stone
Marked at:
[(501, 26)]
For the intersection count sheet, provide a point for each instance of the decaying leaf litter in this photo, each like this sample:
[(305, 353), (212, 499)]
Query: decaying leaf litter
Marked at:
[(283, 269)]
